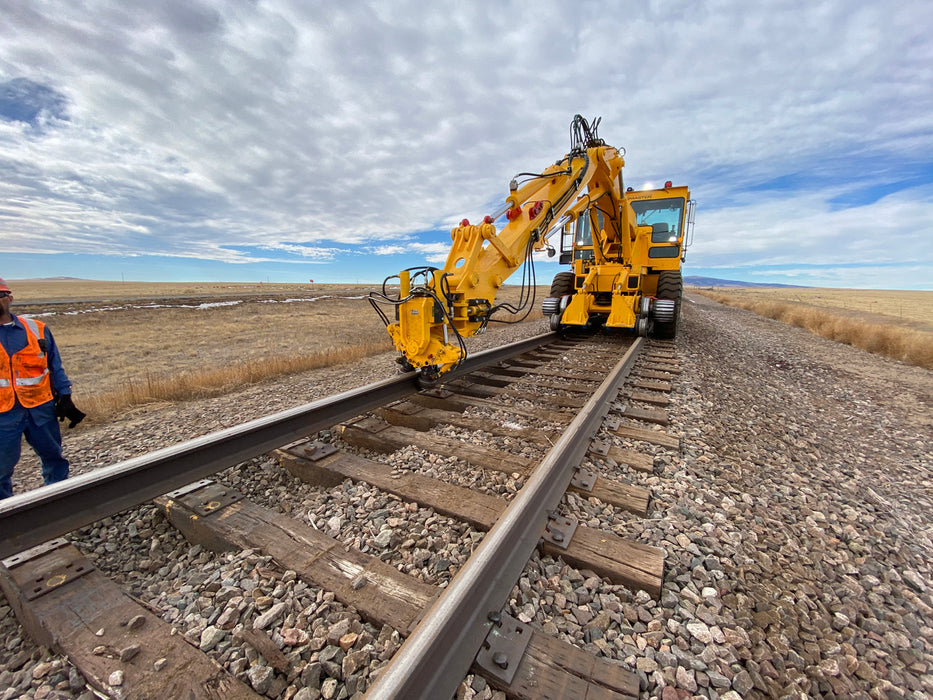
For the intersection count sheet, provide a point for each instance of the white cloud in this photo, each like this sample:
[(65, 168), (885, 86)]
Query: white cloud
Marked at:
[(805, 229), (389, 250), (201, 128), (303, 251), (430, 248), (428, 253)]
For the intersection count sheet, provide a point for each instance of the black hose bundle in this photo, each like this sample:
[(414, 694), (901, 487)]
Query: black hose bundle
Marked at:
[(583, 134)]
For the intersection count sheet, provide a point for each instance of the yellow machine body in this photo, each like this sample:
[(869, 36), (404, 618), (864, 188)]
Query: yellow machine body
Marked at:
[(618, 242), (617, 263)]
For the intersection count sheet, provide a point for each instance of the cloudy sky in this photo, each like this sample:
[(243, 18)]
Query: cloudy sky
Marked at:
[(271, 140)]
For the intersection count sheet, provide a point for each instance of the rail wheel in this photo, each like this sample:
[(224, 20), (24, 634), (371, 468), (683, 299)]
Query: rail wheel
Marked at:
[(667, 303)]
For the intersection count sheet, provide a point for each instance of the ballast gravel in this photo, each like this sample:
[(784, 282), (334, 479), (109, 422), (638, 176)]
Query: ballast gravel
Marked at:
[(796, 528)]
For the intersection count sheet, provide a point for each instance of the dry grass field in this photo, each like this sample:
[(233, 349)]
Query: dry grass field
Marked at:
[(126, 344), (897, 324), (46, 290)]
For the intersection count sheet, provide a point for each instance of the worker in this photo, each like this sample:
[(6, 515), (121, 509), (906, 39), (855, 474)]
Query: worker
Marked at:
[(34, 391)]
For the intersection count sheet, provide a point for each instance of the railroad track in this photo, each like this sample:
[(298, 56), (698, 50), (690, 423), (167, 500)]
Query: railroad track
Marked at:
[(559, 411)]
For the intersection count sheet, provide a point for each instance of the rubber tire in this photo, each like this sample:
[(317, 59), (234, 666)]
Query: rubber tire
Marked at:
[(562, 284), (670, 286)]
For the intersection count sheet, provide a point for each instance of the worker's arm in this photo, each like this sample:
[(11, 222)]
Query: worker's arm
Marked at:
[(61, 385)]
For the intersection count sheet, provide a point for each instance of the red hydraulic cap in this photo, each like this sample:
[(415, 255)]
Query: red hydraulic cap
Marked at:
[(465, 222), (668, 183), (488, 219), (513, 213), (535, 209)]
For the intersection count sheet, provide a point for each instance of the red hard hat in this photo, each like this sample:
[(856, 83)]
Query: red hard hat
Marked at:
[(4, 287)]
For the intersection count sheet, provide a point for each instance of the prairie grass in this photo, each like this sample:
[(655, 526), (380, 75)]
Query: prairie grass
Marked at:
[(193, 384), (908, 308), (101, 290), (888, 337)]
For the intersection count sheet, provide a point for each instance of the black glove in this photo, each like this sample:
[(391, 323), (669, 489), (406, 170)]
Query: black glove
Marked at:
[(65, 408)]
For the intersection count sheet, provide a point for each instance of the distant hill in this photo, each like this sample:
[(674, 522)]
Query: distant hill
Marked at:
[(716, 282), (52, 279)]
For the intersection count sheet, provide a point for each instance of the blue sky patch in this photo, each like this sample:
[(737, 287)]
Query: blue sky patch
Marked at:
[(22, 100)]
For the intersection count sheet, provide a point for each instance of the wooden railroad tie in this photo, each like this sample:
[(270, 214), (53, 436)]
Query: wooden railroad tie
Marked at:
[(447, 400), (630, 563), (645, 414), (541, 355), (496, 378), (636, 460), (652, 397), (377, 435), (655, 437), (652, 385), (572, 375), (64, 603), (410, 415), (467, 387), (413, 415), (386, 596)]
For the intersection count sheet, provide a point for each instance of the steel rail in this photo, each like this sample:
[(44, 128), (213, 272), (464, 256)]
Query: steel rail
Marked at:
[(434, 659), (36, 516)]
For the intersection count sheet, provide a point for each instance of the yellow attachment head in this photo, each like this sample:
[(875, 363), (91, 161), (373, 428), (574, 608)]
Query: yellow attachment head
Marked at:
[(421, 335)]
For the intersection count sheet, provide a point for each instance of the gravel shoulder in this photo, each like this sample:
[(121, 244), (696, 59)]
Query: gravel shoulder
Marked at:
[(807, 483), (796, 524)]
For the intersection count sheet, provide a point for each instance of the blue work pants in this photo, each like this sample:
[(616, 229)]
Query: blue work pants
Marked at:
[(41, 430)]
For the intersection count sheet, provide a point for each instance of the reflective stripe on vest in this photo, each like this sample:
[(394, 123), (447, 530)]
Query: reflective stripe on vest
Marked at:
[(32, 381), (31, 390), (34, 327), (40, 336)]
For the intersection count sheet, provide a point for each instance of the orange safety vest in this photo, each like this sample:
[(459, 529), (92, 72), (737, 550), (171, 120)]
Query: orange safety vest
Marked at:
[(25, 374)]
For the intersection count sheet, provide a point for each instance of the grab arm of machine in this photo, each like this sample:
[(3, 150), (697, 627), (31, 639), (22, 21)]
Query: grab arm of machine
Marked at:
[(437, 308)]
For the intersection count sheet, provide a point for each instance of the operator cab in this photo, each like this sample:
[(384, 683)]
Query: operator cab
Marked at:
[(665, 217)]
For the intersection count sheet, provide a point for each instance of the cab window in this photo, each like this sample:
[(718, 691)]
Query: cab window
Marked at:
[(665, 216), (583, 238), (584, 234)]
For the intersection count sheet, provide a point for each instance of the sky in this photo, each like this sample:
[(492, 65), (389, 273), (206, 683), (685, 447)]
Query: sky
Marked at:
[(254, 140)]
